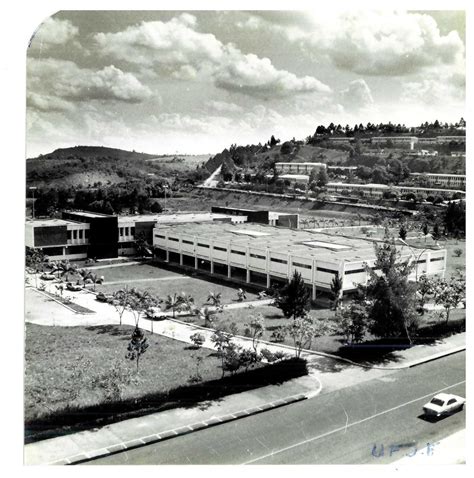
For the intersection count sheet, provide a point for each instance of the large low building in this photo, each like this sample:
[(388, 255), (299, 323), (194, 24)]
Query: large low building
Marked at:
[(85, 234), (378, 190), (264, 255), (439, 179), (298, 168)]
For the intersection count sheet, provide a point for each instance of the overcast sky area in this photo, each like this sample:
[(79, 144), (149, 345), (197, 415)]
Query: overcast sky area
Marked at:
[(196, 82)]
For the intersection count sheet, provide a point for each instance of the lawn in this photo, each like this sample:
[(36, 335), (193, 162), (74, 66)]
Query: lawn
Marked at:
[(197, 287), (67, 366)]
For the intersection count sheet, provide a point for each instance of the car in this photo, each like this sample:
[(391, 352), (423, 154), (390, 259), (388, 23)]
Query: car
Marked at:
[(73, 287), (46, 276), (443, 404), (101, 297)]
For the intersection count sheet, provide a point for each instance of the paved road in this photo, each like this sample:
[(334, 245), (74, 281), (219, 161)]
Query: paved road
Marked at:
[(339, 427)]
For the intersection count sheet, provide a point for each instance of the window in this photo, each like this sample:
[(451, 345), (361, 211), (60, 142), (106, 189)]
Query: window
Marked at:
[(86, 233), (132, 231), (203, 245), (256, 256), (453, 400), (69, 235), (174, 239), (74, 234), (160, 237), (437, 259), (421, 261), (184, 241), (217, 248), (328, 271), (121, 231), (304, 266), (126, 231), (80, 233), (280, 261), (240, 253), (355, 271)]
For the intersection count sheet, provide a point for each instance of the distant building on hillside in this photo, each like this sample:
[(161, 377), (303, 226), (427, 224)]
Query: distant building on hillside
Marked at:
[(298, 168)]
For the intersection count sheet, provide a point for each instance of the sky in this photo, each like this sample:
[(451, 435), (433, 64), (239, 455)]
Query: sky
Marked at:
[(195, 82)]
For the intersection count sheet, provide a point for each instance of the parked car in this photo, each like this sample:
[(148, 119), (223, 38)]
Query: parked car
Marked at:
[(101, 297), (443, 404), (46, 276), (155, 313), (73, 287)]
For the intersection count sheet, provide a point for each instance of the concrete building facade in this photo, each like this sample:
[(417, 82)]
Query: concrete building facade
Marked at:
[(265, 255)]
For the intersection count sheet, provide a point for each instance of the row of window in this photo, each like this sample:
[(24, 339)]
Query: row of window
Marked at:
[(78, 234), (126, 231)]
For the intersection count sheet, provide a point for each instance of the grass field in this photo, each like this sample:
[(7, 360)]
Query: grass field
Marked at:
[(65, 366), (161, 282)]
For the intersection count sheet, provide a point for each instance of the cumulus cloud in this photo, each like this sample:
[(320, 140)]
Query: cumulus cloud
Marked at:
[(357, 95), (178, 49), (47, 103), (224, 107), (372, 42), (70, 82), (54, 31)]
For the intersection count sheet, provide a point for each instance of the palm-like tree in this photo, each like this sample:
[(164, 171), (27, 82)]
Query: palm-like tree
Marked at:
[(94, 279), (174, 302), (214, 298), (187, 301)]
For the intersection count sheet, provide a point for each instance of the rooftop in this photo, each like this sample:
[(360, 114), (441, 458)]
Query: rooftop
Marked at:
[(51, 222), (90, 214), (178, 217), (297, 242)]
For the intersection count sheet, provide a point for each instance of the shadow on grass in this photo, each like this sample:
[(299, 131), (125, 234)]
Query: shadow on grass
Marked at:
[(112, 330), (383, 351), (72, 419)]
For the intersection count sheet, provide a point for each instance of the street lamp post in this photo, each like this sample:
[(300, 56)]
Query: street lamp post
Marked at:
[(415, 256), (33, 189)]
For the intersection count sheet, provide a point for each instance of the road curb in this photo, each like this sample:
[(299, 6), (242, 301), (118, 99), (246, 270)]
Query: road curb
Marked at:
[(183, 430)]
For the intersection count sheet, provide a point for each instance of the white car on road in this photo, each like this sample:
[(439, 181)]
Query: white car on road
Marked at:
[(443, 404)]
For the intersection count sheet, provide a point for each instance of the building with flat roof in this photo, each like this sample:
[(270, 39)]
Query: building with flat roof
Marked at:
[(58, 238), (298, 168), (272, 218), (440, 179), (377, 190), (263, 255)]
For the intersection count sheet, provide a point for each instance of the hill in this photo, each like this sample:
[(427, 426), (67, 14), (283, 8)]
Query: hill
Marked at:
[(93, 152), (84, 166)]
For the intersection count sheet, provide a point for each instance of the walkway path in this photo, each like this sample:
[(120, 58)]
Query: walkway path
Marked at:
[(147, 279)]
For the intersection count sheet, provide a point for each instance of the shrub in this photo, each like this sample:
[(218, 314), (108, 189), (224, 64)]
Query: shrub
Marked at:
[(458, 252), (268, 355), (278, 335), (197, 339)]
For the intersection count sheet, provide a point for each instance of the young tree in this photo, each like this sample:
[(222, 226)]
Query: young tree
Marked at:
[(35, 259), (402, 232), (142, 247), (139, 302), (121, 301), (215, 299), (174, 302), (336, 290), (137, 346), (449, 294), (254, 329), (294, 297), (304, 329), (221, 340), (435, 234), (392, 297), (323, 178), (352, 322), (424, 288)]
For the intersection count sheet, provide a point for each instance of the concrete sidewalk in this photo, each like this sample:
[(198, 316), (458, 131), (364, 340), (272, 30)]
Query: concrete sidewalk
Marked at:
[(135, 432)]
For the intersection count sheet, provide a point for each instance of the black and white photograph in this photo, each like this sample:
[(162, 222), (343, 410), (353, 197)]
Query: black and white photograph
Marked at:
[(245, 237)]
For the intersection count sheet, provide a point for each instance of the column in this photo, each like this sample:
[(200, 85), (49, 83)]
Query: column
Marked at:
[(268, 281), (195, 261), (167, 255), (313, 280), (180, 258), (212, 266), (313, 295), (229, 271), (247, 277)]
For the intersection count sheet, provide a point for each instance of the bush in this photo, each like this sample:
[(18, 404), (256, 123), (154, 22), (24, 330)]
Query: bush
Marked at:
[(278, 335), (197, 339), (458, 252)]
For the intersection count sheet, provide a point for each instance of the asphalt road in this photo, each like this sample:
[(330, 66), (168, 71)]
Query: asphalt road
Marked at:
[(341, 427)]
